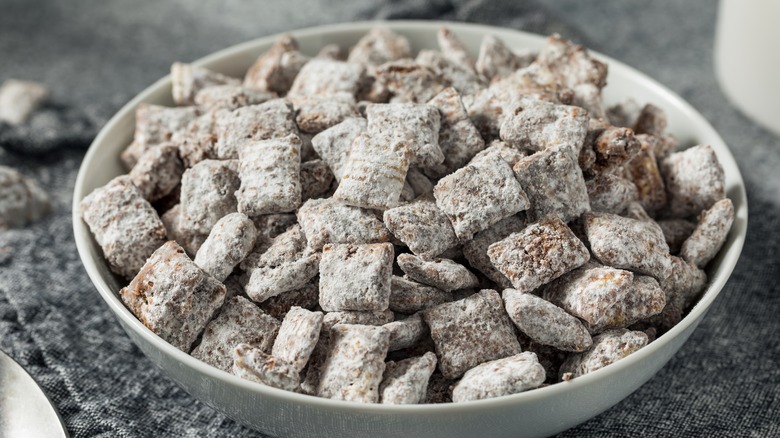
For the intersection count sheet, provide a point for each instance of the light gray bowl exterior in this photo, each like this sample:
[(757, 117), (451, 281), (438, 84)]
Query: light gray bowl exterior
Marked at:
[(539, 412)]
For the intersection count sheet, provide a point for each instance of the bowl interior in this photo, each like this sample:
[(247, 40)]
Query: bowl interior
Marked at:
[(101, 164)]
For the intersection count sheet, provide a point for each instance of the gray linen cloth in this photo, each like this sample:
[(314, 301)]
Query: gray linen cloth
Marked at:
[(94, 56)]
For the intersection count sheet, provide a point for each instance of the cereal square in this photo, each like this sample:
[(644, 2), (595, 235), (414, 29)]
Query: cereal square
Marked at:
[(537, 125), (207, 194), (471, 331), (155, 124), (173, 297), (270, 172), (443, 274), (230, 97), (158, 171), (255, 365), (408, 81), (330, 221), (314, 114), (608, 348), (333, 144), (610, 193), (408, 297), (510, 375), (327, 77), (229, 242), (187, 80), (378, 46), (475, 250), (406, 381), (422, 227), (694, 180), (415, 126), (250, 124), (276, 69), (710, 234), (459, 139), (459, 77), (356, 277), (297, 337), (496, 60)]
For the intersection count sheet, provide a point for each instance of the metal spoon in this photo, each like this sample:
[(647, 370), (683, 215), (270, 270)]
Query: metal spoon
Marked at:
[(25, 411)]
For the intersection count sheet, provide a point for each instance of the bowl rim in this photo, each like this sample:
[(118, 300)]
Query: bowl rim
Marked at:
[(715, 284)]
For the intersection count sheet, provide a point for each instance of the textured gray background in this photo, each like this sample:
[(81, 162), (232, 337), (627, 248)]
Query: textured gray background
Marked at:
[(94, 56)]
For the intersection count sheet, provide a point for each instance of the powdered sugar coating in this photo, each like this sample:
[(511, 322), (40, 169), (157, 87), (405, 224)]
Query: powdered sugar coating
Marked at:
[(406, 381), (334, 144), (554, 184), (408, 81), (314, 114), (124, 224), (155, 124), (197, 141), (250, 124), (270, 172), (374, 174), (643, 171), (537, 125), (406, 332), (189, 240), (415, 126), (453, 49), (276, 69), (470, 331), (509, 375), (611, 148), (22, 200), (207, 194), (676, 231), (380, 317), (408, 296), (475, 250), (230, 97), (456, 75), (650, 120), (173, 297), (158, 171), (627, 243), (378, 46), (229, 242), (478, 195), (187, 80), (644, 299), (355, 364), (257, 366), (420, 184), (544, 322), (610, 193), (694, 180), (330, 221), (496, 60), (327, 77), (608, 348), (590, 291), (501, 149), (238, 322), (297, 337), (542, 252), (316, 179), (305, 297), (710, 234), (571, 63), (422, 227), (356, 277), (443, 274), (459, 139)]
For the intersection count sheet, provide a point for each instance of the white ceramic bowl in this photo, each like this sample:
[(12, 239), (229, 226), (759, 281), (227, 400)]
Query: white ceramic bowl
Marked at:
[(535, 413)]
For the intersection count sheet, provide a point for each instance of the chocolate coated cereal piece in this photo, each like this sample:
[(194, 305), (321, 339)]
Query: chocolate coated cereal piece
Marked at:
[(408, 297), (590, 291), (610, 193), (314, 114), (378, 46), (305, 297), (380, 317), (406, 332), (330, 221), (479, 195), (453, 49), (228, 244), (457, 76), (544, 322), (22, 200), (422, 227), (611, 148), (355, 364), (239, 322), (207, 194), (419, 183), (588, 96), (269, 226), (554, 184), (250, 124), (694, 180), (685, 283), (124, 225), (327, 77), (440, 273), (475, 250), (608, 348), (459, 139), (676, 231), (155, 124), (510, 375), (537, 125), (333, 144), (644, 299), (187, 80), (173, 297), (496, 60), (542, 252), (571, 63), (316, 179), (356, 277), (276, 69), (624, 114), (19, 99), (270, 172), (255, 365), (439, 389), (297, 337), (650, 120), (197, 141), (374, 174), (415, 126), (710, 234), (628, 243), (158, 171), (643, 171), (190, 241), (408, 81), (501, 149), (470, 331), (406, 381), (230, 97)]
